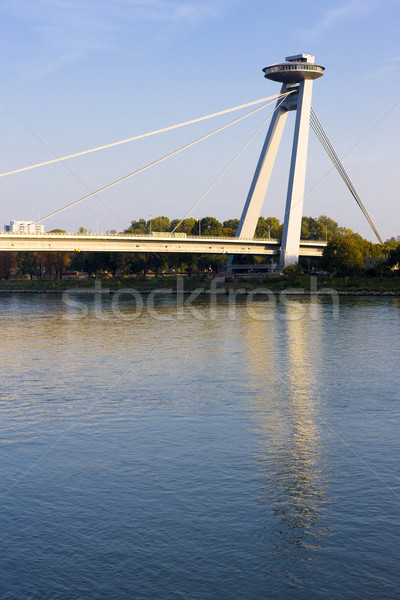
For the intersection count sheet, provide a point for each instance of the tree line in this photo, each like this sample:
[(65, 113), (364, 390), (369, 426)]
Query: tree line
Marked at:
[(344, 254)]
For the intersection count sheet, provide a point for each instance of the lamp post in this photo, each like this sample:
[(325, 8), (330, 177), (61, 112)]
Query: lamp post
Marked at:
[(150, 224), (97, 222)]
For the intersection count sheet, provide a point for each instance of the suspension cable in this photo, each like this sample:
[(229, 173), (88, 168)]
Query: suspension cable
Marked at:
[(327, 145), (139, 137), (228, 166), (102, 189)]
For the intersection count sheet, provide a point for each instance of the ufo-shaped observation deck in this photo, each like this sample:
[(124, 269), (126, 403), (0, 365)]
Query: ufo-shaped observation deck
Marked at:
[(293, 71)]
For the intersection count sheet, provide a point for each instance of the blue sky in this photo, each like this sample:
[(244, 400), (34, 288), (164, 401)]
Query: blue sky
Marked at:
[(77, 74)]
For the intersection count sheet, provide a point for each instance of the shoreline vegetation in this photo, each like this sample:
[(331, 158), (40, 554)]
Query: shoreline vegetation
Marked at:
[(349, 265), (296, 284)]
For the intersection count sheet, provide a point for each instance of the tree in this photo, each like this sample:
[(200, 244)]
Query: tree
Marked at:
[(343, 257), (394, 257), (186, 226), (312, 229), (262, 230), (189, 263), (28, 263), (211, 262), (229, 227), (209, 227), (275, 227), (329, 224), (88, 262), (56, 262), (317, 230), (304, 232), (136, 263), (137, 227), (268, 228), (8, 264), (159, 224), (156, 262), (113, 261)]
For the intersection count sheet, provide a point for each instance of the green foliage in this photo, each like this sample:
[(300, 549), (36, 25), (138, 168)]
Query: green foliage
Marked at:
[(8, 264), (88, 262), (343, 256), (275, 227), (156, 262), (331, 225), (188, 263), (28, 264), (394, 257), (262, 230), (137, 227), (113, 261), (55, 263), (229, 227), (209, 227), (377, 270), (292, 270), (268, 228), (136, 263), (211, 262), (313, 229), (186, 226), (231, 224), (158, 224)]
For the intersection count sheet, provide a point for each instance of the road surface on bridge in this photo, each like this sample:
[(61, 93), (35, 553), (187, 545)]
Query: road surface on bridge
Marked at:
[(55, 242)]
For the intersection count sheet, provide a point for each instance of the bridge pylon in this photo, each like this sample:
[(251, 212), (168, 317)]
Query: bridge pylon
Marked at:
[(296, 74)]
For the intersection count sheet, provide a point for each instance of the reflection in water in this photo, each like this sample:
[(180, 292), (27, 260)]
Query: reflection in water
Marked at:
[(128, 465), (286, 411)]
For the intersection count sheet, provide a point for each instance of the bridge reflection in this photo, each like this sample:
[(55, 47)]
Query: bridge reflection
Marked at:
[(289, 452)]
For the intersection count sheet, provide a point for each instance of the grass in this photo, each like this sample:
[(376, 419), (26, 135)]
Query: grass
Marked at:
[(355, 284)]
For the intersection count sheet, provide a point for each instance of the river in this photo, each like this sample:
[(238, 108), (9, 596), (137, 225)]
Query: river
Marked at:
[(158, 448)]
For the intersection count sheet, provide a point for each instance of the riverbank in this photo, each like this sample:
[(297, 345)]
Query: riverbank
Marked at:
[(298, 284)]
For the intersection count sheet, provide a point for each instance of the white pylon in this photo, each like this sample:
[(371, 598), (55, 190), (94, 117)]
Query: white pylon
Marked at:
[(297, 75)]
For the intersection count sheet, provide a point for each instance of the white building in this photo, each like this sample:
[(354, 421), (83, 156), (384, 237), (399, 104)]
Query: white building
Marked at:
[(23, 227)]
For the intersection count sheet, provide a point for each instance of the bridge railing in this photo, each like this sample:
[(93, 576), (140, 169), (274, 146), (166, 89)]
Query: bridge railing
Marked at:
[(159, 235), (165, 234)]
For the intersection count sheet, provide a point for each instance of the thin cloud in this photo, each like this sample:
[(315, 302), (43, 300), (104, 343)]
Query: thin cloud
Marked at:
[(387, 69), (161, 11), (69, 30), (105, 15), (335, 16)]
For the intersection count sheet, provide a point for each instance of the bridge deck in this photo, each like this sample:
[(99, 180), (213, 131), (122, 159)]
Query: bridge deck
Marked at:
[(146, 243)]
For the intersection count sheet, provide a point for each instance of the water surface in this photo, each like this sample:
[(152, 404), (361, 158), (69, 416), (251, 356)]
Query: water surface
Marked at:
[(207, 451)]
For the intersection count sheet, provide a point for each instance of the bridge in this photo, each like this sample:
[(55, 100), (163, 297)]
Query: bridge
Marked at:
[(57, 242), (297, 75)]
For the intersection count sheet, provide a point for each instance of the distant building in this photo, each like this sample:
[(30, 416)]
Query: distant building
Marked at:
[(395, 238), (23, 227)]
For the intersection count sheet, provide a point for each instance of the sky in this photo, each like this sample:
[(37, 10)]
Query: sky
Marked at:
[(77, 74)]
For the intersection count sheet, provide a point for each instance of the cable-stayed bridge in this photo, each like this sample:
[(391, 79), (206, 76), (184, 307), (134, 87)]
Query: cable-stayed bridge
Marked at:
[(296, 74), (56, 242)]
